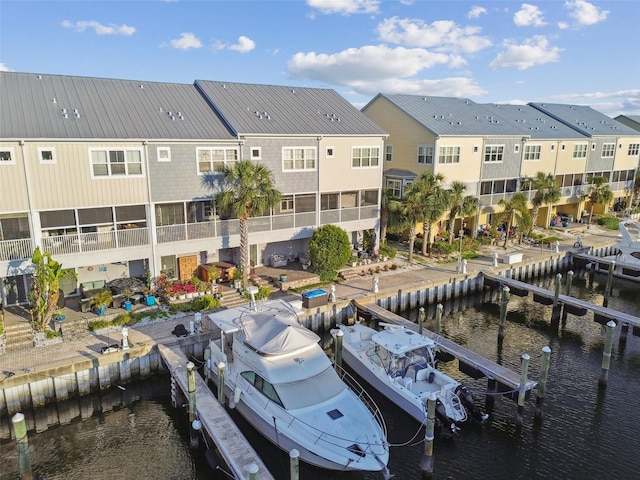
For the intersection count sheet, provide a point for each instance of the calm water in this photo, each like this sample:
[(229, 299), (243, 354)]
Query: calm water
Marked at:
[(586, 432)]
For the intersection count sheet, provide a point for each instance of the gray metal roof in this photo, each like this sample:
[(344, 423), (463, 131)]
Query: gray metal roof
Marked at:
[(400, 173), (452, 116), (251, 109), (632, 121), (34, 106), (534, 123), (584, 119)]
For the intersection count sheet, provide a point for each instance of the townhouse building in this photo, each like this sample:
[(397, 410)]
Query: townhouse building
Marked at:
[(632, 121), (117, 177)]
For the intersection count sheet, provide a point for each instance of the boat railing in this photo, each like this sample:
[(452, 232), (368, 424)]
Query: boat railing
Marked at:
[(362, 394)]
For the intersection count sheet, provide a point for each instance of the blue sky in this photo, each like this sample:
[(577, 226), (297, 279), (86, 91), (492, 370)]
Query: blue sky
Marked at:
[(575, 51)]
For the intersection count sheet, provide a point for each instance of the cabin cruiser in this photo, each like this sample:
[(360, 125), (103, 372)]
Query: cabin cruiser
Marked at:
[(278, 377), (627, 252), (401, 365)]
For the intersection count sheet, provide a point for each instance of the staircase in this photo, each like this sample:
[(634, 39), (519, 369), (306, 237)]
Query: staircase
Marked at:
[(232, 298), (19, 335), (74, 328), (350, 274)]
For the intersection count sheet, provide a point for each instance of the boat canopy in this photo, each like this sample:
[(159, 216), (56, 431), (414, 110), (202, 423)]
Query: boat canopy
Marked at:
[(269, 335), (399, 340)]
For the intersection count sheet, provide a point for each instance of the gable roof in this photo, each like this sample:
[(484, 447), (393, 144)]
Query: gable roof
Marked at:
[(632, 121), (251, 109), (451, 116), (58, 106), (584, 119)]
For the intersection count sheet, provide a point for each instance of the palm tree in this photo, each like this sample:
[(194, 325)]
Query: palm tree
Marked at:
[(547, 193), (247, 189), (599, 193), (514, 212), (434, 203), (460, 205), (384, 214), (408, 211)]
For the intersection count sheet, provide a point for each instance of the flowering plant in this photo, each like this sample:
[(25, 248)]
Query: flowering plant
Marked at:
[(189, 287)]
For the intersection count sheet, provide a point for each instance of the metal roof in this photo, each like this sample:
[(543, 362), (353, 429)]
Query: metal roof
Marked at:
[(632, 121), (399, 172), (67, 107), (452, 116), (251, 109), (584, 119), (533, 122)]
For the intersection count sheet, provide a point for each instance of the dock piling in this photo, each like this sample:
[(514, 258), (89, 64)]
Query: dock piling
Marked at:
[(294, 464), (521, 390), (421, 317), (557, 306), (503, 311), (253, 471), (426, 462), (609, 288), (439, 309), (542, 383), (339, 340), (221, 368), (606, 354), (191, 383), (22, 445)]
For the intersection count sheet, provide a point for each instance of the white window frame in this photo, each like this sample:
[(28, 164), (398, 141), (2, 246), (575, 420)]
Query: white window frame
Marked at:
[(373, 156), (532, 152), (516, 148), (12, 157), (388, 153), (167, 150), (634, 149), (330, 152), (449, 154), (227, 158), (41, 150), (425, 155), (257, 151), (309, 162), (493, 153), (580, 150), (109, 164), (608, 150), (287, 204), (394, 184)]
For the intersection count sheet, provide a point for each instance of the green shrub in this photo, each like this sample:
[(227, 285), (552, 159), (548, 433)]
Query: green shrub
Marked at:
[(52, 334), (609, 222), (329, 249), (263, 293), (388, 251), (327, 275)]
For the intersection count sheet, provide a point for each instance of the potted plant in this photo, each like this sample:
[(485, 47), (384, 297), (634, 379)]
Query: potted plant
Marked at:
[(127, 299), (100, 301), (237, 278), (149, 296), (59, 315), (189, 289)]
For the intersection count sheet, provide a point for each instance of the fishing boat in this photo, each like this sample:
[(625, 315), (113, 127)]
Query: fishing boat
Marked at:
[(278, 377), (401, 365), (627, 252)]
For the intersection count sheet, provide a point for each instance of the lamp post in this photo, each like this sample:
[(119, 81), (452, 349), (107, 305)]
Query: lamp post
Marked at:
[(461, 233)]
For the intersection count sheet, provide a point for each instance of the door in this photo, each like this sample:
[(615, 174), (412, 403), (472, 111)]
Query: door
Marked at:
[(187, 267)]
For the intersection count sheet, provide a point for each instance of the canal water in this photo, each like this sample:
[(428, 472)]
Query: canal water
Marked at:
[(587, 432)]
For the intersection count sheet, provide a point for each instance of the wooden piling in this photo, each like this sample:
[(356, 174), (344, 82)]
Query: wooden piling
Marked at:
[(338, 353), (253, 471), (569, 282), (490, 399), (294, 464), (421, 317), (426, 462), (503, 311), (22, 445), (555, 311), (191, 385), (542, 383), (522, 391), (439, 309), (221, 368), (606, 354), (623, 333), (609, 288)]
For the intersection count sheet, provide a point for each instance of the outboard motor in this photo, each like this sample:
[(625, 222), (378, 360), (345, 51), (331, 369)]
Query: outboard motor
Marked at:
[(466, 397), (444, 420)]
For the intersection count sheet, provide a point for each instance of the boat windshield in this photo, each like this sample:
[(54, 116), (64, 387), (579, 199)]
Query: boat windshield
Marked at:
[(310, 391), (398, 364)]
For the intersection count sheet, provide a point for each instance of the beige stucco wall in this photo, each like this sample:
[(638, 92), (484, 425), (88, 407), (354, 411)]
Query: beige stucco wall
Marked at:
[(624, 161), (566, 163), (338, 174), (13, 187), (468, 170), (547, 162)]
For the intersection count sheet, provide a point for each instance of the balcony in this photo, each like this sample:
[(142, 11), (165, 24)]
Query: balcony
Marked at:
[(19, 249), (95, 241)]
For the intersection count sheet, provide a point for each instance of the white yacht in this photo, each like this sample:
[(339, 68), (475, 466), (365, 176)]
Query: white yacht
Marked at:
[(627, 254), (279, 378)]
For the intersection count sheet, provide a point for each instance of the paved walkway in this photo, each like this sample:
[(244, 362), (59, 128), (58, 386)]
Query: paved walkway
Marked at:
[(422, 270)]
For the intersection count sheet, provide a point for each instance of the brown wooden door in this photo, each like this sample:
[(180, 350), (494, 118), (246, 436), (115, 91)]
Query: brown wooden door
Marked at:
[(187, 267)]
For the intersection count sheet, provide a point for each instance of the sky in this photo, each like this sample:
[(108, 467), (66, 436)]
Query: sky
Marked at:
[(556, 51)]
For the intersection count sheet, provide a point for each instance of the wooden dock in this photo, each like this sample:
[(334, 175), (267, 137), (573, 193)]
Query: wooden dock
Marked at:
[(572, 305), (624, 270), (234, 448), (470, 363)]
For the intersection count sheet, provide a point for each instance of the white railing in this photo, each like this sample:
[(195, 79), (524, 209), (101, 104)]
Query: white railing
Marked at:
[(329, 216), (281, 222), (201, 230), (16, 249), (171, 233), (132, 237), (61, 244), (349, 214), (307, 219), (260, 224), (95, 241)]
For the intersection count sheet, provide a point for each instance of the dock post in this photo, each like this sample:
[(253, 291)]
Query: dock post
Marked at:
[(421, 317), (194, 434), (221, 367), (569, 282), (542, 383), (439, 309), (489, 400), (191, 385), (503, 311), (609, 288), (521, 390), (555, 312), (606, 354), (426, 462), (253, 471), (338, 358), (22, 445), (623, 333), (294, 464)]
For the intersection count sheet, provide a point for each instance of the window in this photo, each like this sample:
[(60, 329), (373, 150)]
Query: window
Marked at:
[(298, 158), (256, 153), (608, 150), (395, 187), (475, 149), (215, 159), (369, 198), (6, 156), (286, 205), (116, 163), (365, 156), (634, 149), (164, 154), (516, 148), (449, 155), (349, 200), (329, 201), (493, 153), (388, 153), (532, 152), (330, 152), (553, 147), (47, 155), (425, 154), (485, 188), (580, 150)]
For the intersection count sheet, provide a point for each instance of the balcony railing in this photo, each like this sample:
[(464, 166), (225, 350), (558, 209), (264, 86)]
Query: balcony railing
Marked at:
[(16, 249), (95, 241)]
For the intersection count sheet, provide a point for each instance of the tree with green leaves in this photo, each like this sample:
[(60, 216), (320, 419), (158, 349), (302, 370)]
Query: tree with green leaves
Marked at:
[(247, 189), (460, 205), (384, 214), (408, 211), (514, 213), (45, 289), (434, 203), (329, 250), (547, 193), (599, 194)]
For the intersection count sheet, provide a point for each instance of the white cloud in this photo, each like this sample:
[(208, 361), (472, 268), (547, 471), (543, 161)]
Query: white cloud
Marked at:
[(476, 11), (186, 41), (345, 7), (444, 35), (534, 51), (4, 68), (100, 29), (244, 45), (610, 103), (585, 13), (563, 25), (528, 16)]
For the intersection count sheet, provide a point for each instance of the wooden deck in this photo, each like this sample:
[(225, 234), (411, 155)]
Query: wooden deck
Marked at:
[(236, 451), (471, 363)]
